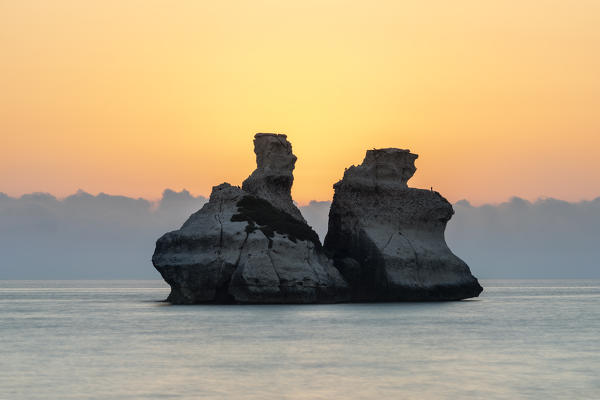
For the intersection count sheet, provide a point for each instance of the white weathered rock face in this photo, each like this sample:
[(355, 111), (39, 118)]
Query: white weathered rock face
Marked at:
[(250, 245), (387, 239)]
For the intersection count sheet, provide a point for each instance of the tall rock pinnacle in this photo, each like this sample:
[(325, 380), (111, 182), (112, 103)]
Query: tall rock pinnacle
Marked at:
[(273, 177)]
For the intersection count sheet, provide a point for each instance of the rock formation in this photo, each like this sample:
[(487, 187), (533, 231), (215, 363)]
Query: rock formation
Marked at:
[(250, 244), (387, 239), (273, 177)]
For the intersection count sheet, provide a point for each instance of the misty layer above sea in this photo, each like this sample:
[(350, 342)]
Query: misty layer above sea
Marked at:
[(117, 340), (113, 237)]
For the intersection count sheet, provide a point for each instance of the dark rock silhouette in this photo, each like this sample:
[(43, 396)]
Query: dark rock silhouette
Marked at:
[(387, 239), (250, 245)]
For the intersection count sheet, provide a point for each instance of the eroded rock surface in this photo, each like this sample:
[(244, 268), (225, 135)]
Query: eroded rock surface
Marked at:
[(250, 244), (387, 239), (273, 177)]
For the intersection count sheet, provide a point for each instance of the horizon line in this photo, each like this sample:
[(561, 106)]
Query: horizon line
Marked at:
[(463, 201)]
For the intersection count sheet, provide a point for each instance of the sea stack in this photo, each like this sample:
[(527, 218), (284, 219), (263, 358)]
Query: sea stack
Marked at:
[(387, 239), (273, 177), (250, 244)]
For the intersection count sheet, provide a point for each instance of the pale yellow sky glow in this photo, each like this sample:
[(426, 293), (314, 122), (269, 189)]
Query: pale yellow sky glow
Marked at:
[(499, 98)]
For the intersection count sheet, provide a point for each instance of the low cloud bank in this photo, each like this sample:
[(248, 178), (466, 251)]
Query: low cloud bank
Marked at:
[(85, 236), (112, 237), (548, 238)]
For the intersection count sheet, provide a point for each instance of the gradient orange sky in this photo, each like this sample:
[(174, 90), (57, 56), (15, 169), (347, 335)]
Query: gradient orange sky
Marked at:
[(499, 98)]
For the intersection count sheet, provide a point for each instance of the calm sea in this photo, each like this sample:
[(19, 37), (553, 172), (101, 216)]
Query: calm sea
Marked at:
[(115, 340)]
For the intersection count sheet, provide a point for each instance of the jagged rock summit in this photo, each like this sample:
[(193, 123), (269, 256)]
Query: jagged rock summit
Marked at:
[(273, 177), (250, 244), (387, 239)]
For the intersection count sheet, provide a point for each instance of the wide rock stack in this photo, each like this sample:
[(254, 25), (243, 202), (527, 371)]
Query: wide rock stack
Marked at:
[(250, 245), (387, 239)]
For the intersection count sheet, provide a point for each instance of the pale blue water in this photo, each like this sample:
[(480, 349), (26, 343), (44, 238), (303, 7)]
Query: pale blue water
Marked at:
[(112, 340)]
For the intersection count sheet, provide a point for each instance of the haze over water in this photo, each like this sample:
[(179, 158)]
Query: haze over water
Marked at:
[(114, 340)]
